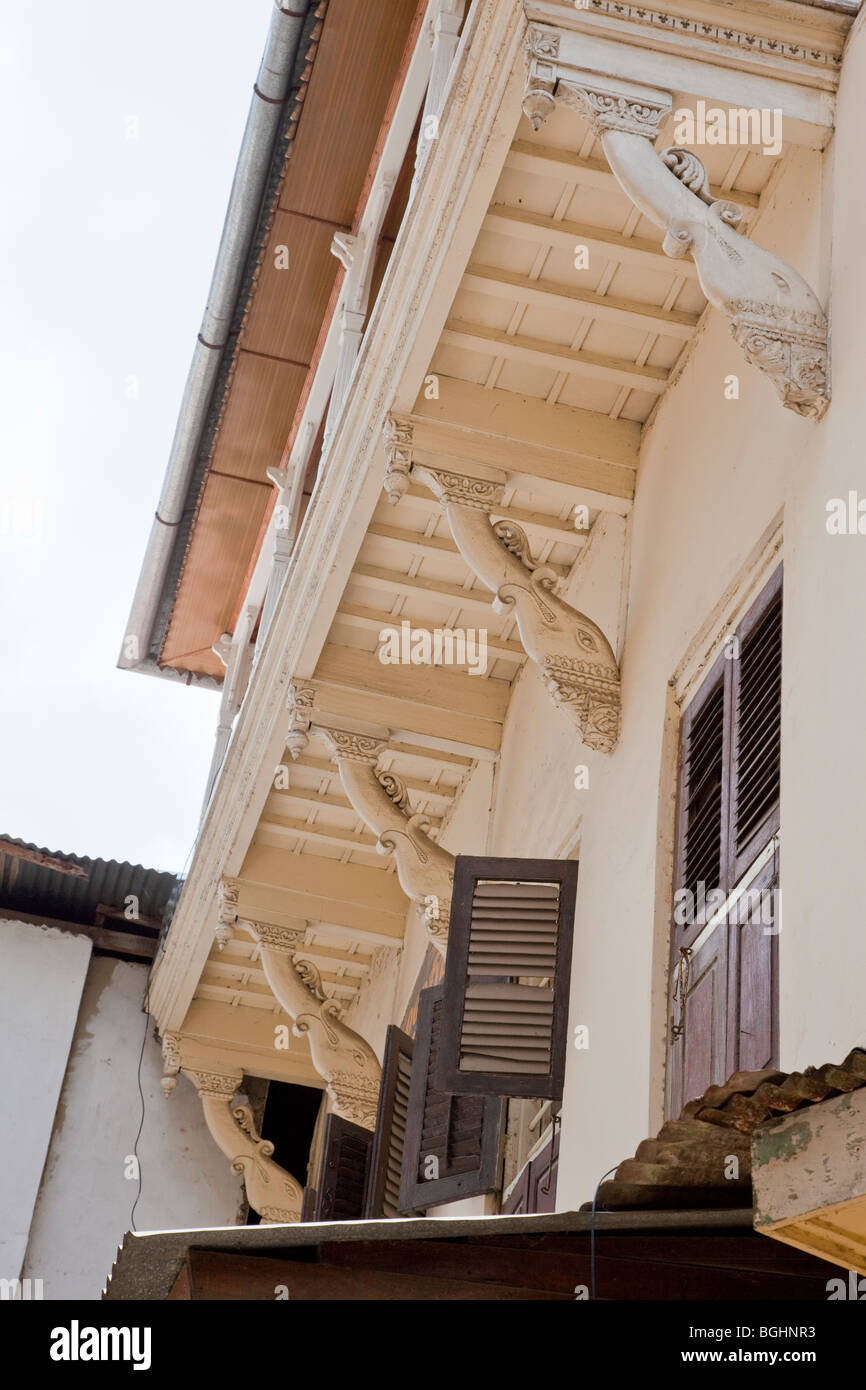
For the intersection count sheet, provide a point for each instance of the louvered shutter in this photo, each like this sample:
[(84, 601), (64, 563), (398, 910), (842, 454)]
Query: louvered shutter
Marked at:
[(386, 1158), (452, 1142), (507, 975), (753, 1008), (702, 842), (757, 730), (343, 1171)]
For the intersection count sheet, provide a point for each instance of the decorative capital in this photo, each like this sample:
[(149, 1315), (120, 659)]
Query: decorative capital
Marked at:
[(459, 489), (300, 699), (351, 747), (609, 104), (221, 1085), (398, 451), (355, 1096), (286, 939)]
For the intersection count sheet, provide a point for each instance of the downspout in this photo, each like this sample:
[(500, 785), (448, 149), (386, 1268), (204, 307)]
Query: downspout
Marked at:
[(269, 95)]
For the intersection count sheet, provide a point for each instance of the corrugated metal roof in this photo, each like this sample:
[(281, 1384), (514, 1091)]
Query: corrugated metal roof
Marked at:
[(38, 889)]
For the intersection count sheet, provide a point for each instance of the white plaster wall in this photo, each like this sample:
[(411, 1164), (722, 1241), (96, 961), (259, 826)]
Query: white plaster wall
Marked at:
[(713, 475), (823, 940), (85, 1201), (42, 973)]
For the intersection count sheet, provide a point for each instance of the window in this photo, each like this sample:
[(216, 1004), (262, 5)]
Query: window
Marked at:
[(724, 939)]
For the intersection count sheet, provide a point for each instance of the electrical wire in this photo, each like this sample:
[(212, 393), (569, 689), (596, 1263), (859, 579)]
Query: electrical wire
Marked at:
[(592, 1231)]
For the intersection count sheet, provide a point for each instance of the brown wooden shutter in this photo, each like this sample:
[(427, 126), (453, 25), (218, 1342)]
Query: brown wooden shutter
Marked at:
[(454, 1136), (308, 1205), (343, 1172), (699, 1021), (512, 921), (702, 844), (757, 730), (753, 1005), (386, 1157)]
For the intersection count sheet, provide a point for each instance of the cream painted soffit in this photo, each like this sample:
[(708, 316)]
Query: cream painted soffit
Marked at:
[(546, 374), (457, 181)]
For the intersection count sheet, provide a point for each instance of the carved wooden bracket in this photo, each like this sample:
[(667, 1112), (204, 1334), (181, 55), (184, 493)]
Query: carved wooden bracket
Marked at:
[(300, 698), (343, 1058), (271, 1191), (227, 911), (776, 317), (575, 659), (425, 870)]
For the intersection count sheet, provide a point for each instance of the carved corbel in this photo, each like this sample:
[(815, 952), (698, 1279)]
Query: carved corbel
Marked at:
[(776, 317), (170, 1063), (345, 1061), (271, 1191), (425, 870), (227, 911), (574, 657), (300, 699)]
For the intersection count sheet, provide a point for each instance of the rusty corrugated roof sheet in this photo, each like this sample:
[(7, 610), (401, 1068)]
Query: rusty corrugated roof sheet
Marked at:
[(38, 890)]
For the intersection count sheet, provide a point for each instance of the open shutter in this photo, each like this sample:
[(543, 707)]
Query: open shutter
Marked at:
[(343, 1172), (452, 1142), (757, 730), (386, 1158), (507, 976), (753, 1008)]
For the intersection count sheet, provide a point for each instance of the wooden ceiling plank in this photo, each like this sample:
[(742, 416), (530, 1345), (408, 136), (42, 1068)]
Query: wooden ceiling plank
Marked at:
[(538, 352), (631, 313), (453, 730), (373, 620), (550, 162), (565, 235)]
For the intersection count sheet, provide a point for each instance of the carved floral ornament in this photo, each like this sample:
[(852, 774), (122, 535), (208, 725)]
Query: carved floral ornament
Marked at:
[(575, 659), (776, 318)]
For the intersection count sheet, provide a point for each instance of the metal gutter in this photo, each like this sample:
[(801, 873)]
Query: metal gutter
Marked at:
[(273, 84)]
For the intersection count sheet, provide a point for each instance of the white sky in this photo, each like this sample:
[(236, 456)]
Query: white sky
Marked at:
[(106, 250)]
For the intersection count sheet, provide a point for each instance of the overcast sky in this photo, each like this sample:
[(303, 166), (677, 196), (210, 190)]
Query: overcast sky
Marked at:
[(120, 127)]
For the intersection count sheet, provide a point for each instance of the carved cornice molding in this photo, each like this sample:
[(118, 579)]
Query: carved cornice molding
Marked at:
[(775, 316), (576, 661), (539, 38)]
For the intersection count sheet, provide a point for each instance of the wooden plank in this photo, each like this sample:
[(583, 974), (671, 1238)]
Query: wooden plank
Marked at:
[(602, 244), (508, 416), (458, 733), (482, 698), (550, 162), (374, 619), (559, 358), (550, 294), (311, 887)]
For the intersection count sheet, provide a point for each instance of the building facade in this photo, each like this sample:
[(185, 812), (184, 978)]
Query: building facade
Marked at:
[(517, 506)]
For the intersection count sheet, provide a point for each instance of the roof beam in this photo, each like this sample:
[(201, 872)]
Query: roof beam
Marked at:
[(558, 357), (361, 901), (547, 294), (395, 582), (373, 620), (548, 161), (277, 831), (342, 693), (564, 236), (412, 784)]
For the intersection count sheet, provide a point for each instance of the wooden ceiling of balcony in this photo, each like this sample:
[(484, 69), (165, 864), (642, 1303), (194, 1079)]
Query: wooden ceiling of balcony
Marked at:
[(355, 65)]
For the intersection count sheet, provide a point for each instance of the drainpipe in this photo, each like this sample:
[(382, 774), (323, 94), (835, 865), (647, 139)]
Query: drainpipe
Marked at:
[(269, 94)]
